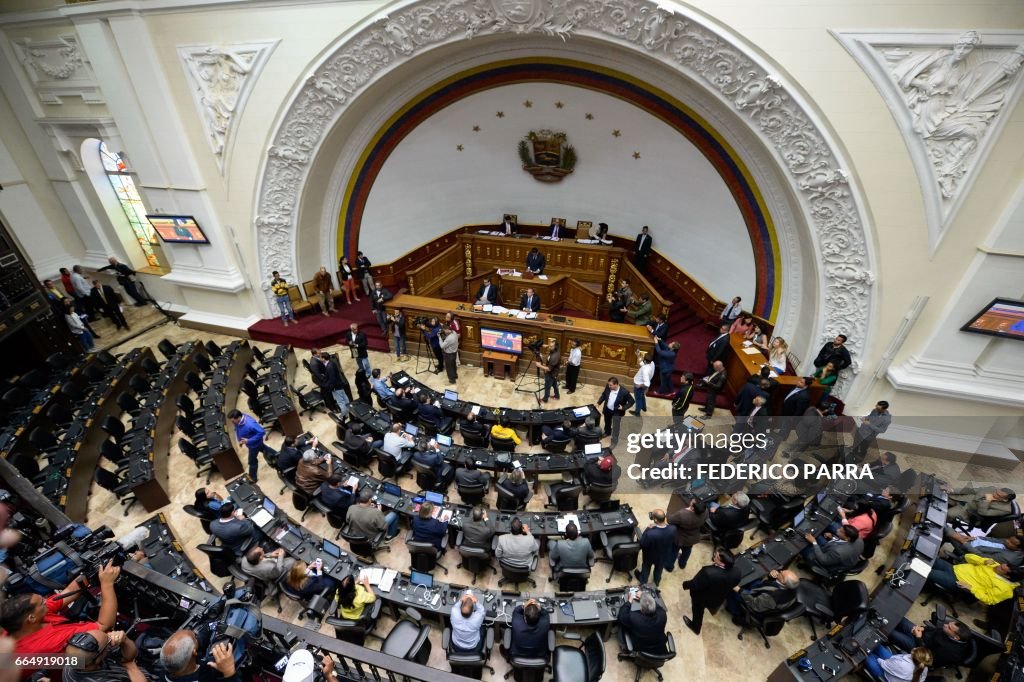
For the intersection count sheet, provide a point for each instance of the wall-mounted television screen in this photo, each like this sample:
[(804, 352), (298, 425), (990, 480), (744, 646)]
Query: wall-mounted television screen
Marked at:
[(1002, 317), (178, 229), (504, 341)]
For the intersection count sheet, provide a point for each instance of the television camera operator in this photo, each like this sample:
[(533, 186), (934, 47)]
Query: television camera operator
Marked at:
[(549, 363), (431, 329)]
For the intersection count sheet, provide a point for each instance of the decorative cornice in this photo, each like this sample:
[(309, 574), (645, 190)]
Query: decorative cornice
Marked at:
[(58, 68), (949, 93), (220, 79), (964, 381), (770, 105)]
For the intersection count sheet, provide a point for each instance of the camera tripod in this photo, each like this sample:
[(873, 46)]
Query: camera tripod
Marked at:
[(419, 354), (152, 301), (526, 380)]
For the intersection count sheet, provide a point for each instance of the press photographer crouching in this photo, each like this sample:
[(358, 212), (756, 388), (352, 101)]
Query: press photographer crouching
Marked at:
[(180, 659)]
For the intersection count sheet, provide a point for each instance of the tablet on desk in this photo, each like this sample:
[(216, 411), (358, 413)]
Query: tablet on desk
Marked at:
[(425, 579)]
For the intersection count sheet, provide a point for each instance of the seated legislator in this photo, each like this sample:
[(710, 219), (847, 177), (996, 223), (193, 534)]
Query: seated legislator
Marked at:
[(309, 580), (467, 619), (309, 474), (335, 495), (353, 597), (487, 293), (646, 627), (518, 545), (530, 301), (470, 475), (600, 471), (732, 515), (503, 430), (432, 414), (425, 528), (535, 261), (556, 230), (398, 444), (232, 529), (775, 593), (478, 530), (516, 484), (428, 453), (600, 233), (267, 566), (572, 552), (404, 403), (530, 625), (508, 226), (987, 580), (836, 554), (470, 425)]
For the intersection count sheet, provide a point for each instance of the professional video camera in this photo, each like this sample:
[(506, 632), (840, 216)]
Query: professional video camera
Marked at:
[(76, 552), (421, 321)]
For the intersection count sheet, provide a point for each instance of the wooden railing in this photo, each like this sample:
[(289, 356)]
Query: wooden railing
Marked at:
[(641, 286), (429, 278)]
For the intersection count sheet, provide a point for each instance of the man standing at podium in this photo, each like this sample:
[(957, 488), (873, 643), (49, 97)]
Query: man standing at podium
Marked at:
[(530, 302), (487, 293), (535, 261)]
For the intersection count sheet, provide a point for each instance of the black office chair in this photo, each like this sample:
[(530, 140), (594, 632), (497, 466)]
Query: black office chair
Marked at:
[(473, 440), (507, 501), (566, 498), (772, 514), (848, 599), (140, 384), (187, 407), (203, 460), (502, 444), (301, 500), (36, 378), (93, 373), (204, 519), (359, 460), (221, 559), (15, 398), (309, 401), (213, 349), (423, 557), (129, 404), (150, 366), (71, 391), (622, 551), (293, 595), (573, 579), (526, 669), (409, 638), (388, 466), (113, 453), (599, 493), (58, 362), (585, 663), (114, 428), (832, 577), (204, 364), (469, 663), (362, 546), (426, 478), (167, 349), (643, 660), (730, 538), (108, 480), (43, 440), (356, 631), (557, 444), (476, 560), (517, 572), (472, 494), (189, 429), (768, 624), (580, 442), (196, 383)]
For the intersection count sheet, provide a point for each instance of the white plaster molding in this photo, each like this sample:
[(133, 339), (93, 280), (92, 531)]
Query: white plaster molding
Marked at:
[(206, 278), (772, 106), (948, 445), (958, 380), (58, 68), (49, 267), (231, 322), (220, 78), (949, 93)]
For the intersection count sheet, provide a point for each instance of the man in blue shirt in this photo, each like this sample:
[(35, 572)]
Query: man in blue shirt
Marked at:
[(425, 528), (429, 454), (380, 387), (467, 620), (250, 435), (336, 496)]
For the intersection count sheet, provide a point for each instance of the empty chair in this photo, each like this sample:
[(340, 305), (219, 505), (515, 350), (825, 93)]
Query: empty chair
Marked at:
[(139, 384), (128, 403), (114, 428), (517, 572), (585, 663), (202, 460), (849, 598), (213, 349), (113, 453), (204, 520), (309, 401), (115, 484), (423, 557), (646, 661), (507, 501), (167, 349), (42, 440), (409, 639), (93, 373), (106, 358), (565, 498), (503, 444), (150, 366), (203, 363), (472, 494), (362, 546), (73, 393), (15, 397), (221, 559), (573, 579), (34, 379), (59, 415), (469, 663), (195, 382), (59, 361), (622, 550), (259, 355), (189, 429), (772, 514), (187, 407), (476, 560)]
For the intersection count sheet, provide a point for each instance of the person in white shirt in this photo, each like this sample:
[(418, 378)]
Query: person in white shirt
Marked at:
[(572, 365), (883, 664), (77, 327), (395, 441), (508, 226), (641, 382), (732, 311)]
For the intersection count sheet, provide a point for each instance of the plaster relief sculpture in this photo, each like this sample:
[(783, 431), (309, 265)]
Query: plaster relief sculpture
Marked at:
[(58, 68), (220, 78)]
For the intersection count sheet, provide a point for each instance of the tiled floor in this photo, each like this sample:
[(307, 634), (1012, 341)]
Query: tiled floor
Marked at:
[(716, 653)]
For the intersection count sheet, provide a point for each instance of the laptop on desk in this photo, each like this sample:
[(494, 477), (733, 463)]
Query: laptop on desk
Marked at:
[(289, 538), (584, 610)]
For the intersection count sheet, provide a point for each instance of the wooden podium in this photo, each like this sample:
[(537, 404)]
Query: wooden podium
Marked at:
[(493, 358)]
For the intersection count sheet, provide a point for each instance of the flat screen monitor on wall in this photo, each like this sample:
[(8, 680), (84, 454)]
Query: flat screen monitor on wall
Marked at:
[(178, 229), (1002, 317), (503, 341)]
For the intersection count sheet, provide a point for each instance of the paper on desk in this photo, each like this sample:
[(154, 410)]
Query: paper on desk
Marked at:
[(388, 580), (542, 276), (352, 481), (476, 410), (488, 307), (531, 316), (564, 521), (581, 411), (521, 315), (445, 516), (497, 309), (751, 351), (375, 575), (920, 567)]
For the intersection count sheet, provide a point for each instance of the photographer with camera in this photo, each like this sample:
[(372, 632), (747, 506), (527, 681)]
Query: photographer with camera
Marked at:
[(432, 333), (549, 365), (449, 351), (103, 657), (37, 627), (180, 658)]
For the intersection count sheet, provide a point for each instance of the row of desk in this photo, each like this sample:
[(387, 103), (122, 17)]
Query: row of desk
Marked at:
[(276, 383), (166, 556), (437, 601), (221, 396), (68, 477), (833, 656), (22, 420)]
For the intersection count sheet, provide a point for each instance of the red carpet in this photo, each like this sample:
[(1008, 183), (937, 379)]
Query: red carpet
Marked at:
[(316, 331)]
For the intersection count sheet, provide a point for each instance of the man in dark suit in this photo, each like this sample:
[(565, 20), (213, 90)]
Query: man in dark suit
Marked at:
[(232, 529), (716, 349), (645, 627), (838, 553), (425, 528), (530, 301), (642, 249), (335, 495), (659, 327), (530, 625), (710, 587), (471, 425), (356, 341), (772, 595), (557, 229), (732, 515), (665, 360), (378, 298), (429, 454), (508, 226), (478, 530), (535, 261), (615, 401), (103, 298), (835, 352), (469, 475), (948, 641), (683, 396), (713, 384), (798, 399), (744, 403), (487, 293), (433, 414)]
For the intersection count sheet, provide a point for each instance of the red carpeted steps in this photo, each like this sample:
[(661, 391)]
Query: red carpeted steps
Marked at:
[(316, 331)]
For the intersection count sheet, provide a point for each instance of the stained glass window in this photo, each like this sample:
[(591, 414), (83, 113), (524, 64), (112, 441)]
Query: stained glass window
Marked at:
[(131, 203)]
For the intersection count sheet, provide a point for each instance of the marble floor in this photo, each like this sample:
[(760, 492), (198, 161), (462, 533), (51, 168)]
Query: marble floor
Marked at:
[(716, 653)]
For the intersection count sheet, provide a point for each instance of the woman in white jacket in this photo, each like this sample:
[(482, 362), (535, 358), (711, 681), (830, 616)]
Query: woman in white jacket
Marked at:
[(890, 667)]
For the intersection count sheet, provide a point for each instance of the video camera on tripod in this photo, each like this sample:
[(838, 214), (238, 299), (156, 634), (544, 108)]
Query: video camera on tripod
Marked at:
[(77, 552)]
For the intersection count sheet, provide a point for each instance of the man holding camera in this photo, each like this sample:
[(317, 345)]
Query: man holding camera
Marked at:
[(549, 366), (37, 628), (397, 323), (102, 657), (379, 298), (449, 351)]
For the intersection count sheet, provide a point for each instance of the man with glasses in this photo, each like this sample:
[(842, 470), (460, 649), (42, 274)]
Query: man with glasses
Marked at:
[(103, 657), (180, 658)]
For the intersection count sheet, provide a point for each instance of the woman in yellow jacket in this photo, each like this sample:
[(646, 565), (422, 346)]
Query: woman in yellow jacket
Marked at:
[(988, 580)]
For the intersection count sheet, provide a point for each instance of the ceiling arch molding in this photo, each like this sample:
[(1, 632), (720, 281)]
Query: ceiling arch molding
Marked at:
[(771, 106)]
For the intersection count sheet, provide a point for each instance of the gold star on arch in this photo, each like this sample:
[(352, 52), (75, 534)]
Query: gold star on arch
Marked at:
[(636, 155), (458, 147), (476, 129), (527, 104), (558, 105), (500, 114), (589, 116), (616, 133)]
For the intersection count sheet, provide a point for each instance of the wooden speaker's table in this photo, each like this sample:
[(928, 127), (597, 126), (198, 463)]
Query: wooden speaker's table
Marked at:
[(507, 361)]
